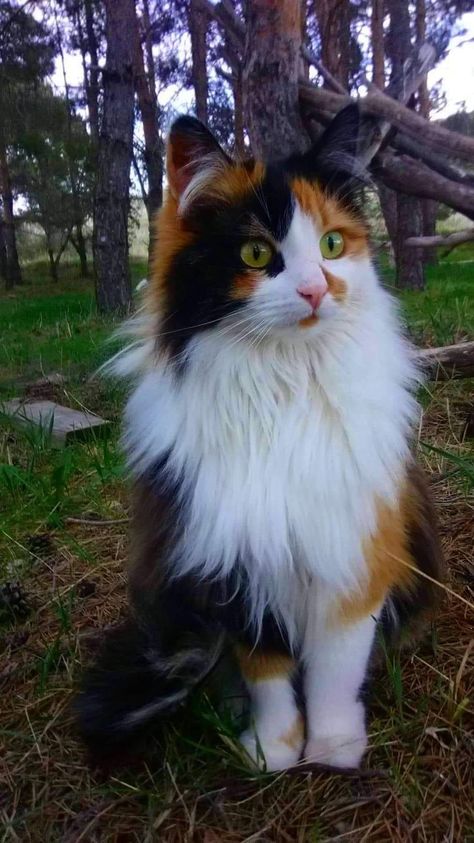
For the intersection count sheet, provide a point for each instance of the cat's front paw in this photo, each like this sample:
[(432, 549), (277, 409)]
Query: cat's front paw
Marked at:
[(274, 753), (338, 741)]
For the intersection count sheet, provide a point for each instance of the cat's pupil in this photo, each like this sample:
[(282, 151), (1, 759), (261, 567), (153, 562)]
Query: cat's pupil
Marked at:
[(331, 243), (256, 252)]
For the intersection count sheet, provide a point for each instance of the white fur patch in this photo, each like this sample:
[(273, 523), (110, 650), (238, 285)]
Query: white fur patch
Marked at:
[(284, 439)]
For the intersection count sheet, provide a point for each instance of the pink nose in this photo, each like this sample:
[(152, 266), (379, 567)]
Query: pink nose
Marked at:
[(313, 293)]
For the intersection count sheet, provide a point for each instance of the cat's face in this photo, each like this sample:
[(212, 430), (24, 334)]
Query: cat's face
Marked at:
[(252, 250)]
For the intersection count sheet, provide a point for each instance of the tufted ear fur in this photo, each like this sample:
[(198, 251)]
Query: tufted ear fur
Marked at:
[(339, 141), (191, 147), (332, 160)]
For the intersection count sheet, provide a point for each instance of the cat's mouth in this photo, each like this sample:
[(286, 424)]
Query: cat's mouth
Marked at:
[(308, 321)]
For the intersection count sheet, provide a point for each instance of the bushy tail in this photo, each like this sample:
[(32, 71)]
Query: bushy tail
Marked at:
[(137, 681)]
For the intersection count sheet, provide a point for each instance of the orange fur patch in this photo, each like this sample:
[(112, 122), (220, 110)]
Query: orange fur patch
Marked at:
[(330, 215), (256, 666), (294, 736), (235, 182), (387, 556), (172, 236), (243, 285), (337, 287), (308, 321)]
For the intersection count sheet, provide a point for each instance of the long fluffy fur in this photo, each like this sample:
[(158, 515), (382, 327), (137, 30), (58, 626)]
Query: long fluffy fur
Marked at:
[(267, 453)]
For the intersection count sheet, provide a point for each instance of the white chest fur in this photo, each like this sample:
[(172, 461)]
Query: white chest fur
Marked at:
[(283, 450)]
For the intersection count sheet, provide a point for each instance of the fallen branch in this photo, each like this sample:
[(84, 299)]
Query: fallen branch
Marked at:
[(416, 179), (450, 361), (449, 240)]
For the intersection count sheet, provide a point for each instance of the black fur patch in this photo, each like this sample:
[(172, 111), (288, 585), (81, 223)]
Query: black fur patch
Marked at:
[(200, 280)]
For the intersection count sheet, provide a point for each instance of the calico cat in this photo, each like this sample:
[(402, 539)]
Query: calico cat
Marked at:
[(277, 503)]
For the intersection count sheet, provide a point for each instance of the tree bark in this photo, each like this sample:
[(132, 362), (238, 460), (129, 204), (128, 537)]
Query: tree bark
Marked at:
[(450, 361), (377, 38), (270, 78), (428, 207), (3, 252), (112, 201), (408, 262), (198, 23), (79, 244), (414, 178), (388, 204), (238, 94), (148, 105), (92, 88), (334, 19), (13, 270), (53, 267), (449, 241)]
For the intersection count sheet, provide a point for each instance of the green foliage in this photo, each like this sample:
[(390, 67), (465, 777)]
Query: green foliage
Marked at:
[(52, 168), (27, 51)]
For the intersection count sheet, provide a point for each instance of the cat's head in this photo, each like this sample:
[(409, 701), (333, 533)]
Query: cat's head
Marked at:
[(257, 250)]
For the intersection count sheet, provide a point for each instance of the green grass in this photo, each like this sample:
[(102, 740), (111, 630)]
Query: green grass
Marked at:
[(204, 782)]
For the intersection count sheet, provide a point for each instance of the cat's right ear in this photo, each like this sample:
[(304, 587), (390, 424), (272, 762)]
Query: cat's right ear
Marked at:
[(192, 148)]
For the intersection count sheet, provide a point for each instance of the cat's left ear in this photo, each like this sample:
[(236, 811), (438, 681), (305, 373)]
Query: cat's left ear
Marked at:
[(191, 148), (334, 156), (340, 140)]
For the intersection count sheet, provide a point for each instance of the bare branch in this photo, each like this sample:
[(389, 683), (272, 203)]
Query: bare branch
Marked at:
[(435, 137), (449, 240), (327, 76), (436, 162), (225, 16), (450, 361), (413, 177)]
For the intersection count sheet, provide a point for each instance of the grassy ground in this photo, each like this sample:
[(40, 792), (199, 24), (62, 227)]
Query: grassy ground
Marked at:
[(417, 783)]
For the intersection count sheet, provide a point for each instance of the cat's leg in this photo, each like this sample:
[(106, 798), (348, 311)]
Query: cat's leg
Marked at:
[(274, 739), (336, 656)]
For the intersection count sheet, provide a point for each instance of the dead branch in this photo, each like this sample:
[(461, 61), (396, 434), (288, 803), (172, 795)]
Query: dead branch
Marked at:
[(435, 137), (450, 361), (413, 177), (327, 76), (449, 240), (439, 163)]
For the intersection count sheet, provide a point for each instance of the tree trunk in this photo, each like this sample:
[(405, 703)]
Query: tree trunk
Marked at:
[(3, 252), (79, 244), (13, 271), (429, 210), (148, 105), (388, 204), (53, 267), (112, 201), (304, 63), (377, 37), (198, 23), (237, 92), (92, 88), (334, 24), (409, 262), (270, 78)]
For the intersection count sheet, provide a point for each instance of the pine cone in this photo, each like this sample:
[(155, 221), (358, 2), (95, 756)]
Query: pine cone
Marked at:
[(41, 544), (13, 602)]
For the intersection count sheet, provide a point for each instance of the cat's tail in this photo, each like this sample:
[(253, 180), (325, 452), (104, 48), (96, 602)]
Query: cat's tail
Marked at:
[(137, 681)]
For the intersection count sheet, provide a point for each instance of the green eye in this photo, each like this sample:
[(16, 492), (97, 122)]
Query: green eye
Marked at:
[(256, 253), (332, 245)]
